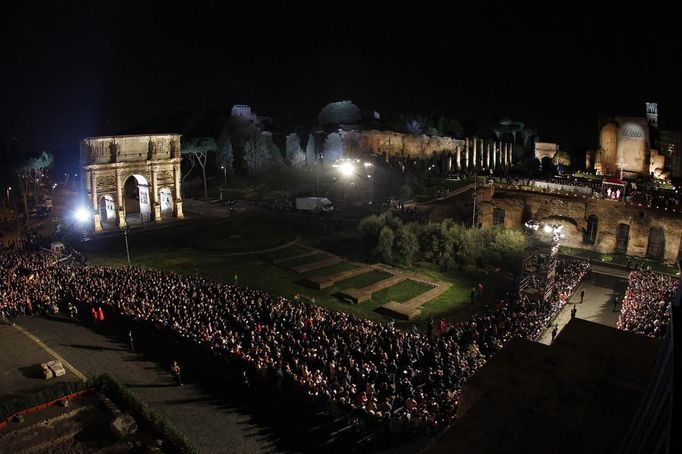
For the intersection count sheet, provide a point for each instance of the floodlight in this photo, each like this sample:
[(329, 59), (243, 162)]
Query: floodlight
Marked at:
[(547, 228), (82, 214), (347, 169)]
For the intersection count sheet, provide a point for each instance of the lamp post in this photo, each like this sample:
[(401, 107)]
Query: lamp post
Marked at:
[(125, 235), (225, 176), (9, 202)]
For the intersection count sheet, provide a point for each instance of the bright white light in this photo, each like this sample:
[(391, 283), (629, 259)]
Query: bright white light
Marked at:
[(82, 214), (368, 164), (347, 169), (547, 228)]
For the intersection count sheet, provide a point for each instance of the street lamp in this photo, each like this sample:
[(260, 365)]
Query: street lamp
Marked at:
[(8, 199), (125, 235), (224, 175)]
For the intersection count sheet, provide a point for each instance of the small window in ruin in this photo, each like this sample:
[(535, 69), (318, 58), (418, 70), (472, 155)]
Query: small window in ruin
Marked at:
[(622, 238), (591, 232), (656, 247), (498, 216)]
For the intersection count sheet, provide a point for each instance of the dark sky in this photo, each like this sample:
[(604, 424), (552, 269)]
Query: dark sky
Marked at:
[(67, 72)]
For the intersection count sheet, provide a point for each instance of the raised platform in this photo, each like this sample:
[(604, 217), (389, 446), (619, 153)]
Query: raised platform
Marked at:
[(315, 265), (360, 295), (293, 257), (321, 282), (411, 308)]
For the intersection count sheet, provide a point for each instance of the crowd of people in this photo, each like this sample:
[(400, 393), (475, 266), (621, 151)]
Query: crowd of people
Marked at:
[(645, 305), (658, 199), (381, 372)]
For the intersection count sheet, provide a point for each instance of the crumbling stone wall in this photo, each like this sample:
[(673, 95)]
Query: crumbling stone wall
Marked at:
[(573, 212)]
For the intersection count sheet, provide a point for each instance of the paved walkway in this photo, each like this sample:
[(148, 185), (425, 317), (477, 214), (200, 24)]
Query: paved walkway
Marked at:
[(214, 425), (597, 306)]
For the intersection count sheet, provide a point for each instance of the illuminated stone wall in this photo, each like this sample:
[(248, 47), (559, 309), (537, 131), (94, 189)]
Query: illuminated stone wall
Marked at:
[(398, 144), (573, 212)]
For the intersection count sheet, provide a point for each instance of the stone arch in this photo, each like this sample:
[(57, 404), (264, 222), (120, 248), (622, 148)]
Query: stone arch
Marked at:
[(136, 195), (656, 245), (107, 207), (166, 200), (152, 160)]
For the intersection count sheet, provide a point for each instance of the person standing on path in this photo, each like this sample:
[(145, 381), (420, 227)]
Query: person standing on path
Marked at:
[(235, 279), (573, 311), (177, 372), (130, 339), (555, 331), (582, 296)]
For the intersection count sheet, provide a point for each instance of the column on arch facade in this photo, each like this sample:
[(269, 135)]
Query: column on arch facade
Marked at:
[(95, 205), (155, 194), (120, 205), (177, 201)]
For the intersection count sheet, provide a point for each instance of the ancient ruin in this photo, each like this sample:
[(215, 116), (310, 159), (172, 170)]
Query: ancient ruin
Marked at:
[(151, 163)]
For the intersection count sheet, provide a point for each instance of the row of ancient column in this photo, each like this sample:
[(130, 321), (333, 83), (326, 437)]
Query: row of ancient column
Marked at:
[(480, 154)]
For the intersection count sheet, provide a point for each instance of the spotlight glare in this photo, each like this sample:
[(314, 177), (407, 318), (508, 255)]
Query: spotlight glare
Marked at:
[(347, 169), (547, 228), (82, 214)]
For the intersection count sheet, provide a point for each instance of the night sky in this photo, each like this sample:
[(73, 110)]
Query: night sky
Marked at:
[(69, 72)]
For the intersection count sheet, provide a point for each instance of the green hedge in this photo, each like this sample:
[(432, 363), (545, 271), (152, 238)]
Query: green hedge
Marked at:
[(178, 441), (31, 400), (109, 384)]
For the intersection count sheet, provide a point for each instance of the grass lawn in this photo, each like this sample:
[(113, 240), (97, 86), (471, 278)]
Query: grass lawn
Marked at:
[(331, 270), (401, 292), (291, 251), (363, 280), (173, 249), (303, 260)]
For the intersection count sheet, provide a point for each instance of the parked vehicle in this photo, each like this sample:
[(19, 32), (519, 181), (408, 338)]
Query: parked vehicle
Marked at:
[(314, 204)]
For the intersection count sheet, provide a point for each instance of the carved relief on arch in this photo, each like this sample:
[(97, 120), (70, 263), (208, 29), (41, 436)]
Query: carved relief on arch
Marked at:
[(165, 176), (105, 180)]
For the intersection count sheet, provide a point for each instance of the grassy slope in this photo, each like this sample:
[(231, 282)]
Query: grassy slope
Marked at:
[(186, 250)]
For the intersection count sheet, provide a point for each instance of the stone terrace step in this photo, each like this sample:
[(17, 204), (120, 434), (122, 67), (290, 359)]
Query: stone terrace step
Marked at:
[(293, 257), (315, 265), (359, 295), (411, 308), (321, 282)]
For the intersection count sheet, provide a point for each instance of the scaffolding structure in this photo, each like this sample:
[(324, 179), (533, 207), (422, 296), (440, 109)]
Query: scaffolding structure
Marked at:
[(540, 262)]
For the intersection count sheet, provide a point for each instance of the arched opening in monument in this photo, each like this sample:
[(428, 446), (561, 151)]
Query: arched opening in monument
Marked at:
[(107, 208), (656, 247), (136, 199), (622, 238), (498, 216), (166, 201), (591, 232)]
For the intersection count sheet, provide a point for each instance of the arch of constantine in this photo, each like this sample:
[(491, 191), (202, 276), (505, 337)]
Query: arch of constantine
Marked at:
[(132, 174)]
